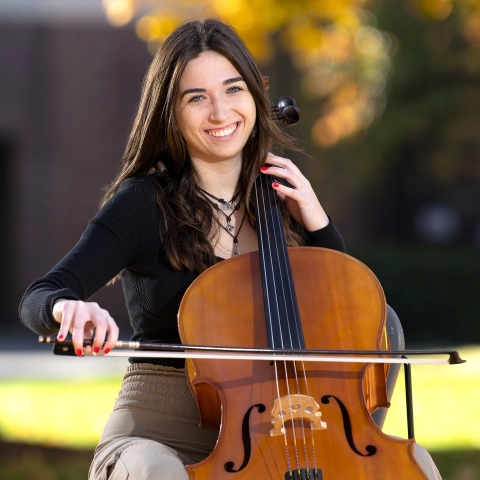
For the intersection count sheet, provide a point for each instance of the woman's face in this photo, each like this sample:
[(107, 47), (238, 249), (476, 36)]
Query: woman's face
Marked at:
[(214, 110)]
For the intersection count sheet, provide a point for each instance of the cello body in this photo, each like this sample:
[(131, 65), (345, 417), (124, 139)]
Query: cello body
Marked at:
[(341, 306)]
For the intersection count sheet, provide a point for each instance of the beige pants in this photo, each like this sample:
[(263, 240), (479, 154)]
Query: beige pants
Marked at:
[(153, 430)]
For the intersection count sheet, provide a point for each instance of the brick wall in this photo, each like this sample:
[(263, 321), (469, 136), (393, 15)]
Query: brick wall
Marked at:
[(67, 98)]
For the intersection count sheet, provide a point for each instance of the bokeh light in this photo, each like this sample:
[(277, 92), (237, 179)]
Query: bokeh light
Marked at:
[(344, 59), (119, 12)]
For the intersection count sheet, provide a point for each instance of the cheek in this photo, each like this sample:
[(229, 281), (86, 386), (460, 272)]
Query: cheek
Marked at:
[(252, 115), (185, 128)]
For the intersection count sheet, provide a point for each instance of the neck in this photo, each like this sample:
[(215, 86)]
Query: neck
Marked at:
[(220, 179)]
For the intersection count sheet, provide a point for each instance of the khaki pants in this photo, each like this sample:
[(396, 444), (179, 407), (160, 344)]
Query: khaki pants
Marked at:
[(153, 430)]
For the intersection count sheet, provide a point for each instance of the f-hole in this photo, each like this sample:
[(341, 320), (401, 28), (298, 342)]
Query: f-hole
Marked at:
[(347, 426), (247, 444)]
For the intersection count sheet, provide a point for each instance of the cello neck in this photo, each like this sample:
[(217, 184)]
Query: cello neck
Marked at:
[(284, 329)]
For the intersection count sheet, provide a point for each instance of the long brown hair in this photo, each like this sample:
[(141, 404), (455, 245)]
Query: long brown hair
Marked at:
[(156, 146)]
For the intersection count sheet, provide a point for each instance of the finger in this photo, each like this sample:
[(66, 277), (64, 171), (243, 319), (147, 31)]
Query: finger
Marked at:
[(288, 192), (306, 209), (113, 332), (67, 312), (288, 172), (88, 334), (283, 163), (287, 175), (99, 319), (79, 325)]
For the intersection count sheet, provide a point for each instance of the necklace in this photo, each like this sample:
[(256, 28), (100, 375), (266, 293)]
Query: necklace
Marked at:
[(225, 204), (222, 208), (236, 248)]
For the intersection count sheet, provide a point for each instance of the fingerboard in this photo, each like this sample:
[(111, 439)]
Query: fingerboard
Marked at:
[(284, 329)]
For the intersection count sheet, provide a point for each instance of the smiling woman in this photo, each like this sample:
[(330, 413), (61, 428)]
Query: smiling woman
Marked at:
[(215, 111), (182, 203)]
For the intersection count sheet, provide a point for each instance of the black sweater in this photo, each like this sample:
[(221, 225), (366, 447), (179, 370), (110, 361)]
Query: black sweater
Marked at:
[(124, 237)]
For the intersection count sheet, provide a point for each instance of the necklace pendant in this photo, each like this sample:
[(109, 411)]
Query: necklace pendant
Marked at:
[(236, 250), (229, 228), (226, 206)]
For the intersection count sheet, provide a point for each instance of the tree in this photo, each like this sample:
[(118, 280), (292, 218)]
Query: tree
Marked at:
[(344, 59)]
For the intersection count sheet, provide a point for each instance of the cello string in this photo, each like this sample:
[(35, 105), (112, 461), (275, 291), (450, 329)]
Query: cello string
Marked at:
[(291, 414), (281, 249), (284, 272), (299, 335), (261, 235), (284, 254), (283, 260), (269, 232), (312, 437), (267, 241), (263, 260), (287, 272), (284, 430)]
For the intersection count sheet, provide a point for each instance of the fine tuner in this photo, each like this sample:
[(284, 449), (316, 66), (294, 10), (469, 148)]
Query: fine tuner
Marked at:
[(286, 110)]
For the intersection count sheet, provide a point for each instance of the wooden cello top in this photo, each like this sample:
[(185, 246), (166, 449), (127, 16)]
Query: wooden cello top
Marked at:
[(289, 419)]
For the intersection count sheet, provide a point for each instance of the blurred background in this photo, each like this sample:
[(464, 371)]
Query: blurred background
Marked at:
[(390, 100)]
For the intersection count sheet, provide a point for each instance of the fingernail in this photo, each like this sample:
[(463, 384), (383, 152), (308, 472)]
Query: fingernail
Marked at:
[(276, 185), (60, 337), (263, 169), (106, 351), (96, 349), (79, 352)]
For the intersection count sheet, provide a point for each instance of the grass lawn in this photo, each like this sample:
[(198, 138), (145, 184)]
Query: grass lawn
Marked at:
[(71, 414), (445, 403)]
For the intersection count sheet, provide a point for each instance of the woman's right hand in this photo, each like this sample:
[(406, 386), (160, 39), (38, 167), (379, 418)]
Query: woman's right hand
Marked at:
[(85, 320)]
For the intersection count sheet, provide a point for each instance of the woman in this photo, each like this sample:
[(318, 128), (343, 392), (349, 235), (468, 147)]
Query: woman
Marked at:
[(181, 203)]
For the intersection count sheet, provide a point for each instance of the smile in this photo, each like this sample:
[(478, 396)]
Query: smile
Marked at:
[(223, 132)]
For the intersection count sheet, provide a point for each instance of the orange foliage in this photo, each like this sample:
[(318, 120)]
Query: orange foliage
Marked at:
[(335, 44)]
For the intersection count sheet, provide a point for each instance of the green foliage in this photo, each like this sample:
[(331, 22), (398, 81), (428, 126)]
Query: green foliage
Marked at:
[(458, 465), (435, 291), (21, 462)]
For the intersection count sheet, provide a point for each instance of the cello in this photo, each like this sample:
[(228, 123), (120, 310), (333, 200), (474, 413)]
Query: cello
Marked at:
[(269, 415)]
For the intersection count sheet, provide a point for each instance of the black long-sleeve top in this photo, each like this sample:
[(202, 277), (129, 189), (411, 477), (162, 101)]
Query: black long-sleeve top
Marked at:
[(124, 237)]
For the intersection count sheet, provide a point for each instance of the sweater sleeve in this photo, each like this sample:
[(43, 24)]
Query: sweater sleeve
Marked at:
[(327, 237), (112, 240)]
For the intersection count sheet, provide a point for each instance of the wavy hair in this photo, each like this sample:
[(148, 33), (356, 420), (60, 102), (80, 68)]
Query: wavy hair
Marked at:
[(156, 147)]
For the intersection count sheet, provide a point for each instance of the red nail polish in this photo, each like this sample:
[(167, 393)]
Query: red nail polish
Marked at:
[(106, 351), (79, 352), (263, 169), (60, 337), (276, 185), (96, 349)]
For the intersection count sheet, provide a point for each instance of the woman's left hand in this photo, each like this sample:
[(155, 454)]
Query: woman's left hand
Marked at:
[(302, 203)]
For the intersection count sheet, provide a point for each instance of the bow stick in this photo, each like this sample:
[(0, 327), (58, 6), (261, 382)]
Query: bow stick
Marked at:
[(168, 350)]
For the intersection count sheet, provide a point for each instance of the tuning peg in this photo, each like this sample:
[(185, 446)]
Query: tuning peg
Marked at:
[(286, 110)]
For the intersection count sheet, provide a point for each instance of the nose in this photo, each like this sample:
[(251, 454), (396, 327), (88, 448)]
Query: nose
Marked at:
[(219, 110)]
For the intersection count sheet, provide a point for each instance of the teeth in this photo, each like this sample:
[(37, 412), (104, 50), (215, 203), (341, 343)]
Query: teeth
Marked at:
[(223, 132)]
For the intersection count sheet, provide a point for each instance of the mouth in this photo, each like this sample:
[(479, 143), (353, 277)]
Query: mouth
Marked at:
[(223, 132)]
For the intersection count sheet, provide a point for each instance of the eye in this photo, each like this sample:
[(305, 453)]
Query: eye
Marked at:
[(196, 98), (234, 89)]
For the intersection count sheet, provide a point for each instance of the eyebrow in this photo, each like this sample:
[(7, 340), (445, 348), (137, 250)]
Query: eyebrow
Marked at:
[(202, 90)]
